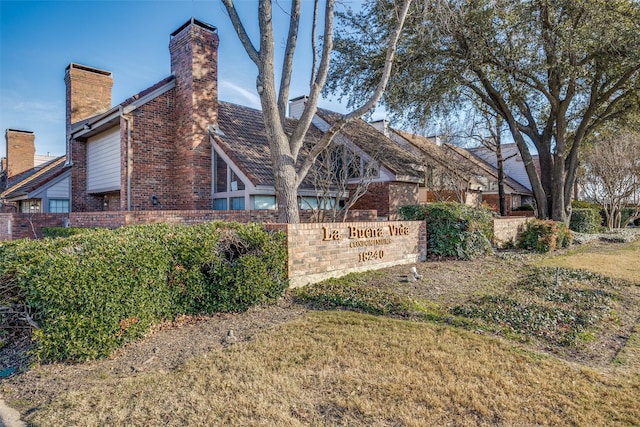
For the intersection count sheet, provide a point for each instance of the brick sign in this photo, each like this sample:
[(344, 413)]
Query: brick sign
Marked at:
[(320, 251)]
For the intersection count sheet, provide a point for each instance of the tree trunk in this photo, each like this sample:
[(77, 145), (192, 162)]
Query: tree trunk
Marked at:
[(501, 195)]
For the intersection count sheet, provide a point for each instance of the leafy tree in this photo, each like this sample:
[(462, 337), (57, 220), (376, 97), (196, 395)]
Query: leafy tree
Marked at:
[(286, 147), (555, 71)]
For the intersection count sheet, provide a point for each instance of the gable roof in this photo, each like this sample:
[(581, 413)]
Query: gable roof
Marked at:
[(35, 178), (245, 142), (463, 163), (403, 164)]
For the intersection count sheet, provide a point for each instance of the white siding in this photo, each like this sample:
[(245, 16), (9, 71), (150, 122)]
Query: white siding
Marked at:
[(103, 161), (59, 190), (513, 166)]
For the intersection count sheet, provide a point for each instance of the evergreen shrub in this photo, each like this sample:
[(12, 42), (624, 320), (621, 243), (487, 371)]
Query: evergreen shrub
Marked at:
[(454, 229), (545, 236), (585, 220), (91, 293)]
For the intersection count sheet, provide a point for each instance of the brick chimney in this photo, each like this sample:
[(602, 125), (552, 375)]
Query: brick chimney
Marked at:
[(21, 150), (194, 63), (88, 92)]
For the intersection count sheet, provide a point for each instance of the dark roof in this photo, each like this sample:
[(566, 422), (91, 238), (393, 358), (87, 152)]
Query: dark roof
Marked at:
[(245, 142), (36, 178), (382, 149)]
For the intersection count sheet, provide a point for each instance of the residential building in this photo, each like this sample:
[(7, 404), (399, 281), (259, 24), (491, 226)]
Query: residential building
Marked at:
[(175, 146), (30, 182), (454, 174)]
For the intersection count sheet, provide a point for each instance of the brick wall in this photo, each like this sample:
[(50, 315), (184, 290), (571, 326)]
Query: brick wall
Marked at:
[(401, 194), (320, 251), (507, 229), (18, 226), (376, 197), (6, 226), (153, 147), (28, 226)]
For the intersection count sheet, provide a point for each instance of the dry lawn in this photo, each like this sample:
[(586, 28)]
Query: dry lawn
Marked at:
[(339, 368), (617, 260), (343, 368)]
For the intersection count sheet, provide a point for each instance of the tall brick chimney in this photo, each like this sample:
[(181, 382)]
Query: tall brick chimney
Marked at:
[(194, 63), (88, 92), (21, 149)]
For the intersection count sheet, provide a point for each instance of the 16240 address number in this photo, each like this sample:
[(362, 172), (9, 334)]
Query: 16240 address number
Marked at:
[(370, 255)]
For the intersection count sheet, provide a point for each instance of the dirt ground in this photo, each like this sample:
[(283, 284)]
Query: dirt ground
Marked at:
[(169, 346)]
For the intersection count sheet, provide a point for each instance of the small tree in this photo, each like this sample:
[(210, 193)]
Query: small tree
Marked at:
[(613, 177), (341, 175)]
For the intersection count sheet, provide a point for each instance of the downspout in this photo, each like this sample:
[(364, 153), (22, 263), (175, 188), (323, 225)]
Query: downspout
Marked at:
[(127, 121)]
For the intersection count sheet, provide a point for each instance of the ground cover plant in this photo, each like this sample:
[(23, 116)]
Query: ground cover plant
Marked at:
[(309, 361)]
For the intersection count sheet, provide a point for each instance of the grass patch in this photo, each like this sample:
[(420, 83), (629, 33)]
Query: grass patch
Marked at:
[(616, 263), (344, 368), (353, 292)]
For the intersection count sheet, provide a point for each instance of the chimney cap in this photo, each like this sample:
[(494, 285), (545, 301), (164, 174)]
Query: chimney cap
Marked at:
[(19, 130), (196, 22), (87, 68)]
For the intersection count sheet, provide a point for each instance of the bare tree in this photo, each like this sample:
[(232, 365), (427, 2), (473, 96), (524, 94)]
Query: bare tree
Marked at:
[(341, 176), (288, 168), (613, 176), (488, 132)]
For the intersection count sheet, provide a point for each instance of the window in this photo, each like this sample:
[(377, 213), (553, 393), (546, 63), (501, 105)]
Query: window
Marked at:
[(31, 206), (220, 167), (220, 204), (237, 203), (225, 178), (264, 202), (59, 205), (236, 183)]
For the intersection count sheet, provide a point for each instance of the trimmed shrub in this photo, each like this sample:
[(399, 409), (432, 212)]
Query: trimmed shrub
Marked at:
[(54, 232), (525, 207), (582, 204), (91, 293), (454, 229), (544, 236), (585, 220)]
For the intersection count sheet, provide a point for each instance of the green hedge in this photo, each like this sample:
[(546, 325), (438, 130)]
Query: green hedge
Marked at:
[(585, 220), (91, 293), (54, 232), (544, 236), (454, 229)]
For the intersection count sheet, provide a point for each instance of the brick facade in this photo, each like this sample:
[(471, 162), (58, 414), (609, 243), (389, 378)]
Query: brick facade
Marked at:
[(154, 156), (401, 194), (388, 197)]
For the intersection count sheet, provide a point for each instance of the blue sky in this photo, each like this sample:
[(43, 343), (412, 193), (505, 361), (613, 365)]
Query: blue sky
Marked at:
[(38, 39)]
